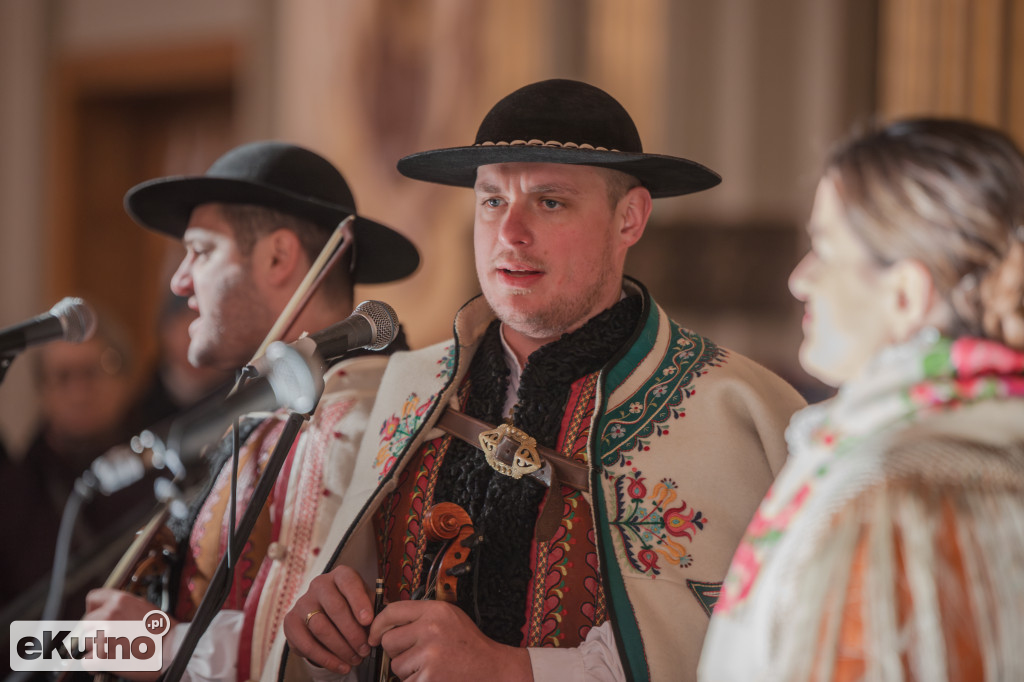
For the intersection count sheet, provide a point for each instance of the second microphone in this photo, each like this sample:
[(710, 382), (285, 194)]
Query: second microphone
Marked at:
[(372, 325)]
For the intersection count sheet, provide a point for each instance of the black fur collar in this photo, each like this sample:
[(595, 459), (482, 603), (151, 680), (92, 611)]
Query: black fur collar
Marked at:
[(503, 509)]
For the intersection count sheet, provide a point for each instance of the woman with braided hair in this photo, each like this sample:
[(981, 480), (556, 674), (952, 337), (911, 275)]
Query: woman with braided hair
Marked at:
[(890, 546)]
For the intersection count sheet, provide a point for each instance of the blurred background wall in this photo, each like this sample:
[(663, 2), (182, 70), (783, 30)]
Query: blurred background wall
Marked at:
[(98, 95)]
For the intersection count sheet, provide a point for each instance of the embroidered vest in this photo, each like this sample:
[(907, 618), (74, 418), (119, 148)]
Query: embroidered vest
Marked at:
[(564, 598)]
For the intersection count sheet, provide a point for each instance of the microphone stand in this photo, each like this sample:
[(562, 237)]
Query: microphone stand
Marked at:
[(5, 364), (220, 583)]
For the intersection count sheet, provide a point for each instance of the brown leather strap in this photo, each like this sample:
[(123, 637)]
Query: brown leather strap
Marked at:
[(566, 471)]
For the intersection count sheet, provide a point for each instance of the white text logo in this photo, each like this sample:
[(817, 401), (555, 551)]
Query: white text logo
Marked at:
[(89, 645)]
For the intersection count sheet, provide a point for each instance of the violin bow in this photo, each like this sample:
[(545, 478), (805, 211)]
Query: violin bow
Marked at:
[(339, 242)]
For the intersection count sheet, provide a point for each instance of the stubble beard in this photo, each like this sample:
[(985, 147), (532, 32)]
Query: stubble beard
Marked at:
[(229, 336), (213, 348), (561, 314)]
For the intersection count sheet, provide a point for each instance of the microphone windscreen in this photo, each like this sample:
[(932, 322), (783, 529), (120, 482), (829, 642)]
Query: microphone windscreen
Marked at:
[(76, 318), (384, 321)]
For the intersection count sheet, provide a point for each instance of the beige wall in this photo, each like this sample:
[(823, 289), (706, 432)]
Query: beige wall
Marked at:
[(755, 90), (23, 47), (752, 89), (35, 37)]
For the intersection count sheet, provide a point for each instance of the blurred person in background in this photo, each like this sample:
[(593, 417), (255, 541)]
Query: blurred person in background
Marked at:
[(85, 393), (891, 546), (176, 384)]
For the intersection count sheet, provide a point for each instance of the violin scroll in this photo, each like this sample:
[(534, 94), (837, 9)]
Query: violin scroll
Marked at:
[(444, 521), (449, 521)]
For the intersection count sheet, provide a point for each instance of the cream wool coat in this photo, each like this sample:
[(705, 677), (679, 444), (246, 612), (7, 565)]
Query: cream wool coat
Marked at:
[(313, 486), (685, 440)]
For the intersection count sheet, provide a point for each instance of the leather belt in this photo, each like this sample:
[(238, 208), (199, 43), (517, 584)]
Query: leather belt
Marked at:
[(514, 453)]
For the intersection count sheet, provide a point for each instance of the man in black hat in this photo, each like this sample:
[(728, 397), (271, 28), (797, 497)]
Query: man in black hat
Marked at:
[(253, 226), (607, 458)]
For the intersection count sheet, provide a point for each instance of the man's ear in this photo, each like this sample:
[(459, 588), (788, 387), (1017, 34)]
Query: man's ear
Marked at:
[(278, 257), (635, 206), (912, 298)]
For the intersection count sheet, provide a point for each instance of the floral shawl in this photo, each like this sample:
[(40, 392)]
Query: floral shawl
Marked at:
[(901, 497)]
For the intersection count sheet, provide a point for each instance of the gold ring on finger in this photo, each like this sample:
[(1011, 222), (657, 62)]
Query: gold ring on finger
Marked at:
[(310, 615)]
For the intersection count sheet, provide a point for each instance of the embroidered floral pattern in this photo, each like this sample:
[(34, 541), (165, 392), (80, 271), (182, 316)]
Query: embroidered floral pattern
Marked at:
[(630, 427), (764, 531), (397, 429), (650, 523), (650, 528), (446, 363)]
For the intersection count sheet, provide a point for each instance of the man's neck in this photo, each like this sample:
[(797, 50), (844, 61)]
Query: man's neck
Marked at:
[(316, 316), (520, 345)]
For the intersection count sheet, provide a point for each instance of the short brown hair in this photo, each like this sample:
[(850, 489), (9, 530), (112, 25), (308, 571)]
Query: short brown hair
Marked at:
[(618, 183), (251, 222), (950, 194)]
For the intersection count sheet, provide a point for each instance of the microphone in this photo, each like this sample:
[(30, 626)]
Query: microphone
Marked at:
[(71, 319), (372, 325), (292, 380)]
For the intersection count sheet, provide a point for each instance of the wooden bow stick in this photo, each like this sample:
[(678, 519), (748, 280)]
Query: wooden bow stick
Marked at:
[(340, 241)]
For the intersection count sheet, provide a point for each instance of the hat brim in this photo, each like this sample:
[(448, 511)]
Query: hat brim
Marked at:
[(166, 204), (663, 176)]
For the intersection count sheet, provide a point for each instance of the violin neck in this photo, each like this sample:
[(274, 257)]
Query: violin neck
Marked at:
[(122, 572)]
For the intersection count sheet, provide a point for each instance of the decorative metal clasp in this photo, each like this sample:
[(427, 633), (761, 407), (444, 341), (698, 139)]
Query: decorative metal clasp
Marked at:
[(510, 451)]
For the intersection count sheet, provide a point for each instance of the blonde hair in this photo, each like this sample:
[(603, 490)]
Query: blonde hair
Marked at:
[(949, 194)]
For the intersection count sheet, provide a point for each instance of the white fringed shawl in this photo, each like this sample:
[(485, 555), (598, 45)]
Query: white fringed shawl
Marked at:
[(922, 455)]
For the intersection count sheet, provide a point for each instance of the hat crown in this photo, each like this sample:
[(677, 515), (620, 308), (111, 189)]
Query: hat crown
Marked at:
[(560, 121), (285, 167), (283, 177), (560, 112)]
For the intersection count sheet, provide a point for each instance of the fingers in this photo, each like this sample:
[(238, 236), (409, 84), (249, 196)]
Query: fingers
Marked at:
[(109, 604), (344, 600), (337, 630), (393, 616), (351, 587), (436, 640), (327, 624), (400, 643), (307, 645), (97, 598), (407, 665)]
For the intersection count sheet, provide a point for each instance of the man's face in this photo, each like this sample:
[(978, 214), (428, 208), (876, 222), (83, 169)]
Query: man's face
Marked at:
[(217, 280), (549, 248)]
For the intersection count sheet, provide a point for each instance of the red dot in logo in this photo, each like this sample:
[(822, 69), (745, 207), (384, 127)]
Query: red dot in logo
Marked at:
[(156, 622)]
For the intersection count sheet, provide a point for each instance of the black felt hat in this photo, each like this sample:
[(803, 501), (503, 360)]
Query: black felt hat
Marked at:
[(283, 177), (560, 121)]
